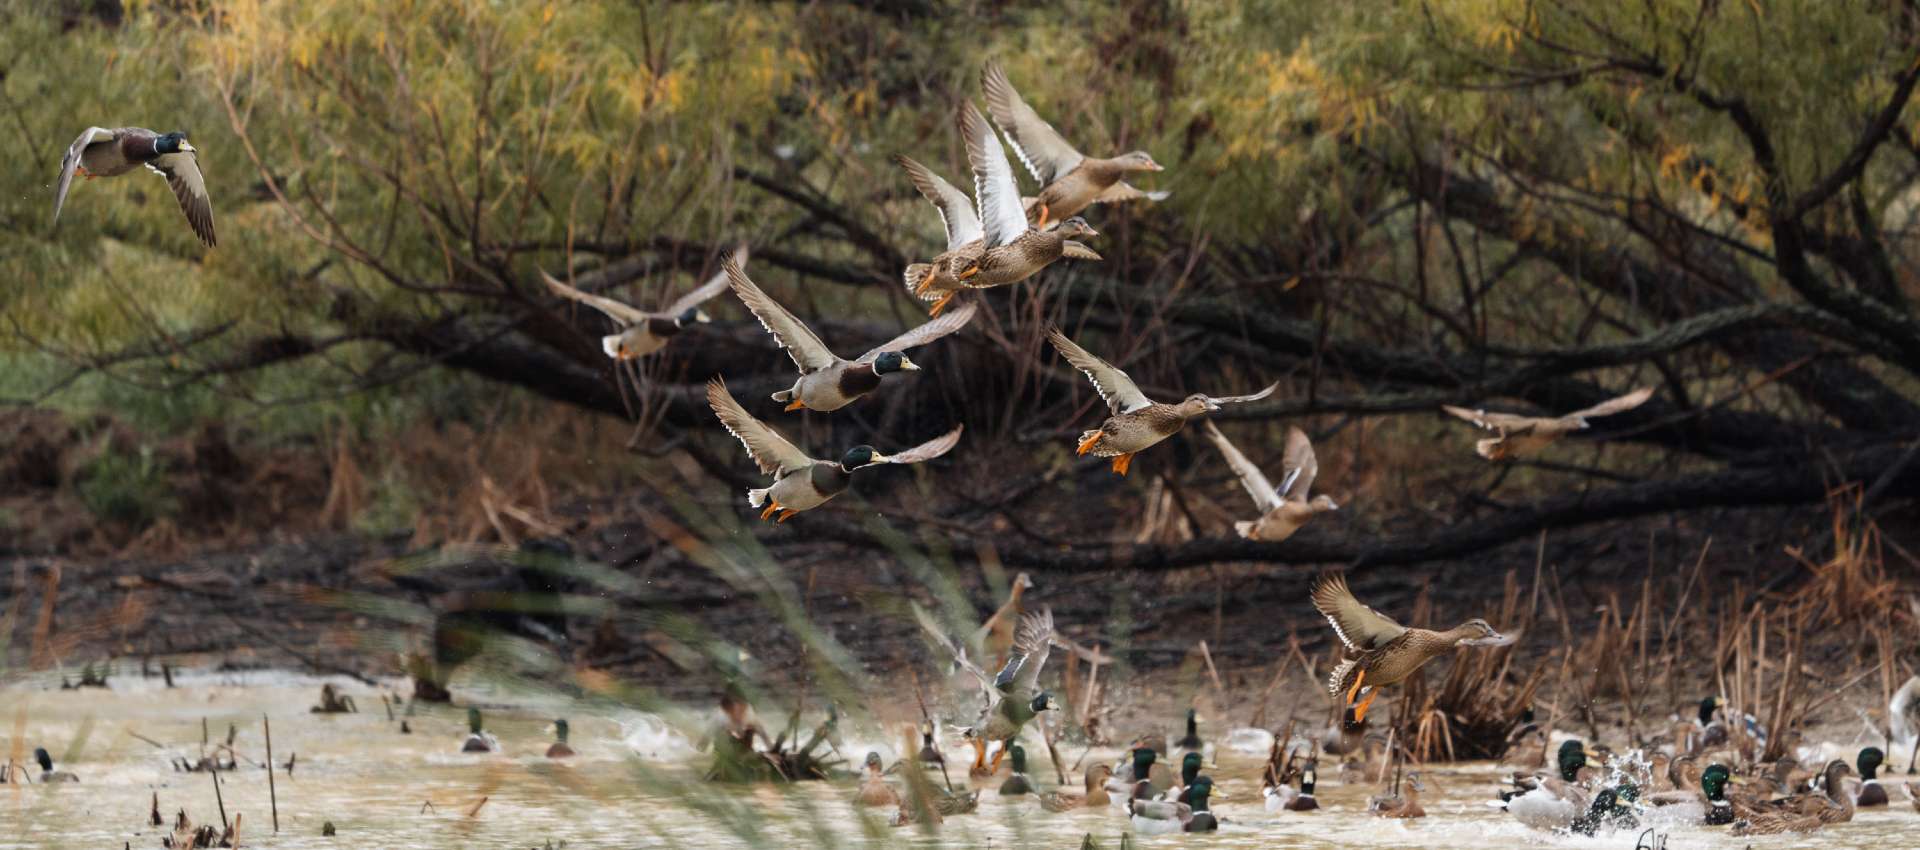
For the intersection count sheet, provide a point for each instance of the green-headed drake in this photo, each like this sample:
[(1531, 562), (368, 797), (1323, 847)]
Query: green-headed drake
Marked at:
[(800, 482), (1871, 792), (1070, 180), (642, 332), (47, 773), (1019, 698), (559, 749), (827, 380), (1384, 652), (479, 740), (100, 152), (1018, 783), (1553, 801), (1138, 422)]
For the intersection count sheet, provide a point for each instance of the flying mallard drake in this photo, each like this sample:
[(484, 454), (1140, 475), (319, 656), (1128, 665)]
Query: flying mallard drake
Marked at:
[(1137, 422), (1010, 250), (1071, 181), (828, 381), (1283, 510), (1516, 435), (100, 152), (800, 482), (1018, 697), (1385, 652), (643, 333)]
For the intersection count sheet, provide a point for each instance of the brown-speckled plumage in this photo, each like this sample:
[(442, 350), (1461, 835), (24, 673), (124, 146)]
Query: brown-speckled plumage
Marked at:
[(1126, 433), (1380, 651)]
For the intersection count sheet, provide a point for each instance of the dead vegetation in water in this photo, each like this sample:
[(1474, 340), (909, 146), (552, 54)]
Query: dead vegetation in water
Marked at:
[(1472, 714)]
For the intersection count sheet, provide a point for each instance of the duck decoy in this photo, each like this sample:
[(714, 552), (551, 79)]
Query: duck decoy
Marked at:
[(100, 152), (47, 773), (1138, 422), (478, 740), (1304, 801), (642, 332), (800, 482), (1871, 793), (1283, 510), (1018, 783), (1385, 652), (1096, 796), (559, 749), (828, 381), (875, 790), (1070, 180), (1516, 435)]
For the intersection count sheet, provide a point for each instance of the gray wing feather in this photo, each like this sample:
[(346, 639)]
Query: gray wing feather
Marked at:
[(72, 161)]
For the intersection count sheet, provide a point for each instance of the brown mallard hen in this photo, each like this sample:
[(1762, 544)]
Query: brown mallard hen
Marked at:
[(1384, 652), (1137, 422), (1070, 180), (1516, 435), (1283, 509)]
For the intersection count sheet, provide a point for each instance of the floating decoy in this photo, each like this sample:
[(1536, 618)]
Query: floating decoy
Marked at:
[(642, 332), (1516, 435), (47, 773), (1283, 510), (559, 749), (478, 739), (827, 380), (1018, 783), (1137, 422), (800, 482), (100, 152), (1304, 801), (1070, 180), (1385, 652), (1871, 792)]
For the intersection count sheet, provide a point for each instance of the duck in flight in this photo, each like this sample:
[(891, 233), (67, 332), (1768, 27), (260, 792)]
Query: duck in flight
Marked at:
[(100, 152)]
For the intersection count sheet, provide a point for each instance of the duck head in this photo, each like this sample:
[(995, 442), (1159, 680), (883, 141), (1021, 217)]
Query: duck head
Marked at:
[(860, 456), (1573, 756), (174, 142), (1308, 775), (1142, 762), (1198, 791), (1189, 768), (46, 761), (1714, 781), (1869, 762), (1075, 226), (890, 362), (873, 763), (560, 730), (1708, 706), (473, 721), (1478, 633), (1197, 404), (1019, 756), (1138, 161)]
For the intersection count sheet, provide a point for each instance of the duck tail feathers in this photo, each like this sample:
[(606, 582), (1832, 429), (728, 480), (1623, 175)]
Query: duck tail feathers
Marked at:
[(756, 498), (611, 345)]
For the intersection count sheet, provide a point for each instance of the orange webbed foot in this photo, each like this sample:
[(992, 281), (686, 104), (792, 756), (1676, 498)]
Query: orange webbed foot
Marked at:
[(1087, 444), (1122, 462), (970, 272), (1355, 690), (1360, 711), (785, 513), (934, 311), (797, 404), (772, 508), (1045, 216)]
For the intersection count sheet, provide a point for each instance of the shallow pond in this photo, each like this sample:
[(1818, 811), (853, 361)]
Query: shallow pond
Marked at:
[(633, 784)]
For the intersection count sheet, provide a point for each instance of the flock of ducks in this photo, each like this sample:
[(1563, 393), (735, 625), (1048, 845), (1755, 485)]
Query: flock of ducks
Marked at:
[(996, 237)]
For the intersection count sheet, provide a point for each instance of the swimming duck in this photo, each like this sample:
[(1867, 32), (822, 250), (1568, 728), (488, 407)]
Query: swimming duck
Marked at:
[(1071, 181), (1137, 422), (1142, 765), (100, 152), (1515, 435), (1404, 805), (874, 788), (1708, 806), (643, 333), (1285, 509), (1801, 812), (1018, 783), (1304, 801), (1190, 765), (1019, 698), (1385, 651), (801, 483), (1201, 819), (47, 773), (1191, 742), (1156, 817), (929, 753), (1096, 796), (966, 238), (1011, 251), (828, 381), (1553, 801), (559, 748), (478, 739), (1871, 793)]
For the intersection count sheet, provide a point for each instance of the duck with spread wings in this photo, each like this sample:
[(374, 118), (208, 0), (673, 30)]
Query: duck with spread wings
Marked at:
[(642, 332), (1516, 435), (1138, 422), (1383, 652), (103, 152)]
